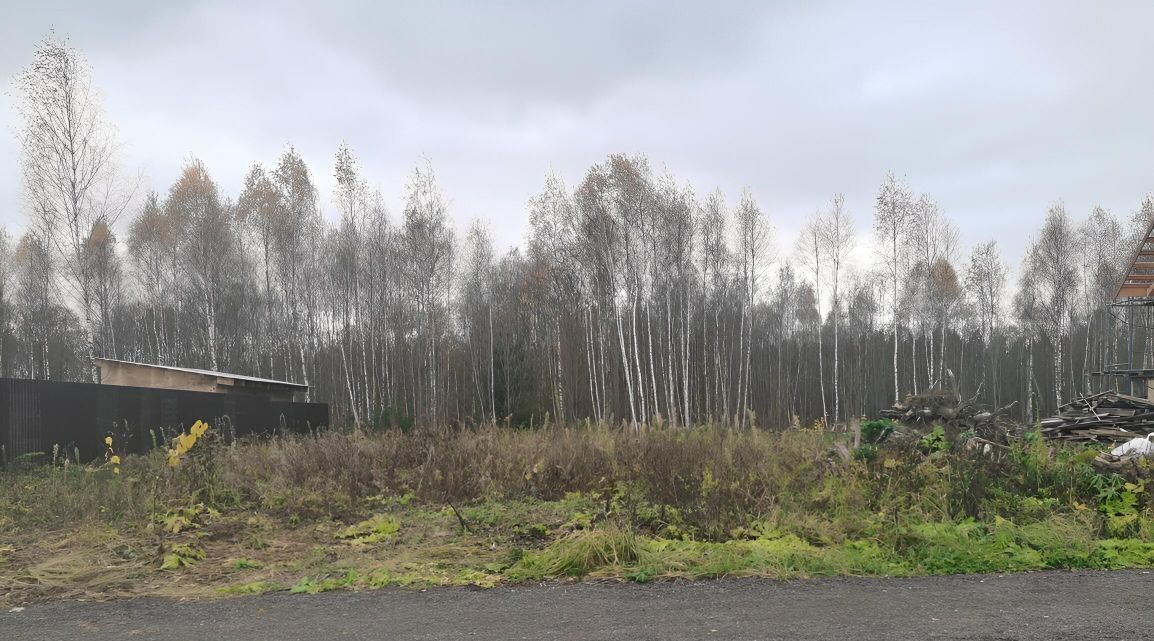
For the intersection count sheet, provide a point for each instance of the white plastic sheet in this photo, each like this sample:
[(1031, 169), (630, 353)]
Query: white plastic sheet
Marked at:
[(1135, 446)]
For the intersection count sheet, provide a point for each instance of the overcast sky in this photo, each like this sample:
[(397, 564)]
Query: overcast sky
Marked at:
[(997, 109)]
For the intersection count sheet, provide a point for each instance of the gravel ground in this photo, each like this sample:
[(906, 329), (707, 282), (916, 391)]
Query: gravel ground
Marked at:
[(1045, 605)]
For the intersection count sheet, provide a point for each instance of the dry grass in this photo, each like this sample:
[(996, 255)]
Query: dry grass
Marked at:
[(347, 509), (715, 477)]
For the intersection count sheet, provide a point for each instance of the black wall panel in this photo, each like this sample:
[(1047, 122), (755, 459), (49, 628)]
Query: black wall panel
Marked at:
[(35, 415)]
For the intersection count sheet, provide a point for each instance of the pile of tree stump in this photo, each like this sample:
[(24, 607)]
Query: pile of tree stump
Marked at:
[(948, 409), (1107, 417)]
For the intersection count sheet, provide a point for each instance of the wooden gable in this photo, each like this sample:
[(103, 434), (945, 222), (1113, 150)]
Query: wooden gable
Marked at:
[(1139, 279)]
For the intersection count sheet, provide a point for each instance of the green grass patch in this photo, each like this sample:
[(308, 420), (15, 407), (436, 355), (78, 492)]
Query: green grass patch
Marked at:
[(375, 530)]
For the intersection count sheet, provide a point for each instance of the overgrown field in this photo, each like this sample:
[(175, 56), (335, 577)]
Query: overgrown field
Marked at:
[(493, 505)]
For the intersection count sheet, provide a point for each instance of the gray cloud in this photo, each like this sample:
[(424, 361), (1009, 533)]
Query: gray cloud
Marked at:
[(996, 110)]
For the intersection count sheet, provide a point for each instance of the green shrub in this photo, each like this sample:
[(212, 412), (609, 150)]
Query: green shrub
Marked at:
[(935, 441), (875, 431)]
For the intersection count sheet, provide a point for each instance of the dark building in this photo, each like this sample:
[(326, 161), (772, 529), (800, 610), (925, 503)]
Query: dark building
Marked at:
[(139, 405)]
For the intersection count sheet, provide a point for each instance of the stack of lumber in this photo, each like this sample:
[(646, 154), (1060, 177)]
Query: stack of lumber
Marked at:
[(1107, 417)]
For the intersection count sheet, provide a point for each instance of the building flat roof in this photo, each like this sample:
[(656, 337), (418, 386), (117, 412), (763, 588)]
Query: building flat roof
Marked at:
[(205, 372)]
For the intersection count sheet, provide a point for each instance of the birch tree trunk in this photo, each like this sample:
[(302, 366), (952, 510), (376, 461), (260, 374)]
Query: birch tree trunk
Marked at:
[(625, 365)]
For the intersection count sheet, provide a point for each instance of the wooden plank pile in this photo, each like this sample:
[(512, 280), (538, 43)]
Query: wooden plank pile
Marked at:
[(1107, 417)]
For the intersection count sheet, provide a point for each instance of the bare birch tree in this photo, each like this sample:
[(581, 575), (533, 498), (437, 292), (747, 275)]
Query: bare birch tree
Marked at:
[(752, 243), (70, 178), (986, 284), (813, 252), (476, 311), (427, 247), (836, 236), (893, 218), (1052, 267), (208, 248)]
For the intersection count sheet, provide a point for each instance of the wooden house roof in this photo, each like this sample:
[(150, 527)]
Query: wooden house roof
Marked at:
[(1138, 281)]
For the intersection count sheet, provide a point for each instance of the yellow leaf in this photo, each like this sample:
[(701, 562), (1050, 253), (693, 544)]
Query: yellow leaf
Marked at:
[(115, 459), (199, 429), (108, 441), (116, 470)]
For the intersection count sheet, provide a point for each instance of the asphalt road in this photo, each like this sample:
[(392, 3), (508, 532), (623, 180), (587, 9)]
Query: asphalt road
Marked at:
[(1048, 605)]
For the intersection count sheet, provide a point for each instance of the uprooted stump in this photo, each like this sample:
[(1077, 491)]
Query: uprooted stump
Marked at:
[(928, 407), (955, 415)]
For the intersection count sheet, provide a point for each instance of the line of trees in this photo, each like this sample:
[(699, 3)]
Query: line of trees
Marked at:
[(634, 298)]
